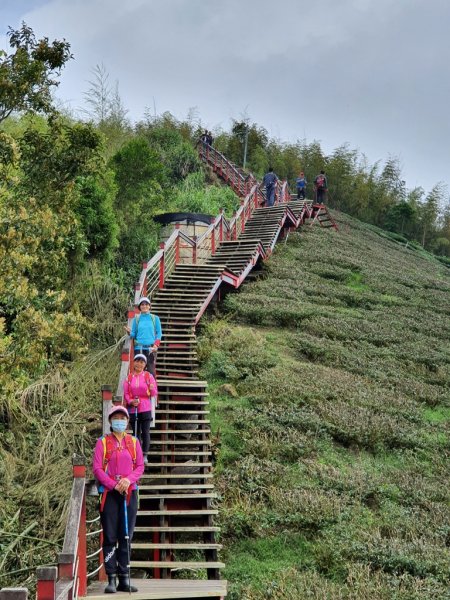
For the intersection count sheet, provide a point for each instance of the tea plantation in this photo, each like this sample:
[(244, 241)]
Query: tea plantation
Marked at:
[(330, 400)]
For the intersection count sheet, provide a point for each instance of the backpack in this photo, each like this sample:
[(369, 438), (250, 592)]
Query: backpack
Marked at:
[(108, 448), (146, 377), (320, 181), (137, 317)]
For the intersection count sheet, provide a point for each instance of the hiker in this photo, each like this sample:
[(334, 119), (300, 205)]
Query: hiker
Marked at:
[(146, 333), (117, 465), (210, 138), (141, 394), (321, 187), (270, 181), (205, 140), (301, 186)]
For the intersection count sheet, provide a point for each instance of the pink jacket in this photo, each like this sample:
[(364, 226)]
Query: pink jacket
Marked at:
[(120, 463), (142, 386)]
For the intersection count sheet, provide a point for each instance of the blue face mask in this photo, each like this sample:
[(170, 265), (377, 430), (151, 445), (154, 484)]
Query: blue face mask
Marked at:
[(118, 425)]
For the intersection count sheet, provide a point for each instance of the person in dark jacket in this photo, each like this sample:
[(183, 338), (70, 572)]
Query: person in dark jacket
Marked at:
[(270, 181), (321, 187)]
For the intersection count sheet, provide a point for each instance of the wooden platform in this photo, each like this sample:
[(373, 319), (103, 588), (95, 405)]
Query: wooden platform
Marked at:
[(164, 589)]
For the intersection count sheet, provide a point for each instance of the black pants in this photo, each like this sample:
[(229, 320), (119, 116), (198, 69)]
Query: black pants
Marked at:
[(301, 195), (112, 517), (143, 427), (321, 195), (150, 366)]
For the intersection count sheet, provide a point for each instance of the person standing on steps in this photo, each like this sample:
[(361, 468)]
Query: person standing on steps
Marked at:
[(141, 394), (205, 141), (270, 181), (321, 187), (301, 186), (118, 465), (147, 334)]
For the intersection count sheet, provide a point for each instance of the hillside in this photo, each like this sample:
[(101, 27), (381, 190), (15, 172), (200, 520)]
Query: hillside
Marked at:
[(333, 431)]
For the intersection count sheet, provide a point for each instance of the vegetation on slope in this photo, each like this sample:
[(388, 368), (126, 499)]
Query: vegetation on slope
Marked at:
[(332, 460)]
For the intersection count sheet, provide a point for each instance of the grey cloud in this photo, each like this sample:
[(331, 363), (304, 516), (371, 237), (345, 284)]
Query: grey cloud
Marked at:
[(370, 72)]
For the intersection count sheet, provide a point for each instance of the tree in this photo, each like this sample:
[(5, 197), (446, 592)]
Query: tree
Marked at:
[(429, 211), (400, 217), (27, 74)]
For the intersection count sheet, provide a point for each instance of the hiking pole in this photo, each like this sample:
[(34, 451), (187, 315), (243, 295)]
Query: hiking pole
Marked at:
[(127, 538), (135, 420)]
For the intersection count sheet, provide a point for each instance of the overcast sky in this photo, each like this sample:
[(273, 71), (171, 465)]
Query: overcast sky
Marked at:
[(373, 73)]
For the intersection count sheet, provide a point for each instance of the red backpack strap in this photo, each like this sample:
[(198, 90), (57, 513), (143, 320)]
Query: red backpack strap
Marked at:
[(130, 445), (108, 449)]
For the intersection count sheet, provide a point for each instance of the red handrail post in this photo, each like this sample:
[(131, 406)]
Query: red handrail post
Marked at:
[(194, 250), (242, 216), (161, 266), (213, 238), (177, 245), (46, 583), (221, 226)]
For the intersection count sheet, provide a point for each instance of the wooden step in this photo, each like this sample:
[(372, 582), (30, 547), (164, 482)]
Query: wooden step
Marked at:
[(170, 465), (183, 421), (167, 393), (180, 529), (181, 496), (184, 402), (168, 411), (157, 564), (176, 383), (178, 513), (177, 453), (165, 589), (149, 477), (175, 546), (181, 486), (180, 442), (180, 431)]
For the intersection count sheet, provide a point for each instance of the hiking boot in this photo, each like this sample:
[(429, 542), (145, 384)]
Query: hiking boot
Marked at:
[(145, 459), (125, 585), (111, 587)]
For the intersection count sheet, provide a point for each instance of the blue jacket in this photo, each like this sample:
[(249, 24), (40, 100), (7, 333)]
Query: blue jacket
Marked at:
[(146, 330), (301, 182), (269, 180)]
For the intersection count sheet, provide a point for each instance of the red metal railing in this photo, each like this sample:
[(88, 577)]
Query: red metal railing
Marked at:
[(69, 579), (241, 183)]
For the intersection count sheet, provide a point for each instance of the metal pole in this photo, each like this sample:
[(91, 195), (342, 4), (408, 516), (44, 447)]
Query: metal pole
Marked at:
[(245, 146)]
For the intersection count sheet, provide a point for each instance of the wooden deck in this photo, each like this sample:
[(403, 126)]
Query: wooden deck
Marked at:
[(164, 589)]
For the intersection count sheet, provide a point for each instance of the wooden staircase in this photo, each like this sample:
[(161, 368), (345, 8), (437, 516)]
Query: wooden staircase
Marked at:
[(175, 528)]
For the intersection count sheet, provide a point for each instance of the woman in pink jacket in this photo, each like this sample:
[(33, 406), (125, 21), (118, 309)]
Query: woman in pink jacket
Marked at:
[(118, 464), (141, 393)]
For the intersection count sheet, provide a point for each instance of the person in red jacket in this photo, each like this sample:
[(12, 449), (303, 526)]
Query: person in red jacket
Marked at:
[(141, 393), (118, 465)]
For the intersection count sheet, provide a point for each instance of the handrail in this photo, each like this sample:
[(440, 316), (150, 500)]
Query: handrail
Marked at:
[(68, 580)]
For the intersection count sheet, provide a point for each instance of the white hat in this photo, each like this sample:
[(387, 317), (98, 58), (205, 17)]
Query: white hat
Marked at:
[(144, 299), (140, 357)]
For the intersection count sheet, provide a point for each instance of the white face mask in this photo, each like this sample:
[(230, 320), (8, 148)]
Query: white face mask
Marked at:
[(118, 425)]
